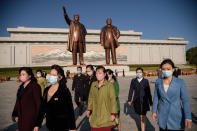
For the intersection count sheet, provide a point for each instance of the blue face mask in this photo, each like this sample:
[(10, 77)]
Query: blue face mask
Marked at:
[(78, 72), (38, 75), (139, 75), (53, 79), (90, 73), (167, 74)]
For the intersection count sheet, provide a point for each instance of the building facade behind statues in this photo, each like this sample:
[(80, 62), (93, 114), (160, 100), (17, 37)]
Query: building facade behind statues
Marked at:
[(76, 38), (109, 40)]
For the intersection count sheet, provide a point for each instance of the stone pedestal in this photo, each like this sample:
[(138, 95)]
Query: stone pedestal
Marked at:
[(73, 68)]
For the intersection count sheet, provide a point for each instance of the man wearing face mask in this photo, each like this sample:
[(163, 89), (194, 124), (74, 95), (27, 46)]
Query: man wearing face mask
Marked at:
[(91, 77), (78, 86), (142, 99)]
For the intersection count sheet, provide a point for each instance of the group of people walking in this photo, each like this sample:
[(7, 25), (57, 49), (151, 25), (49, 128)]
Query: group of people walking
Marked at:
[(99, 90)]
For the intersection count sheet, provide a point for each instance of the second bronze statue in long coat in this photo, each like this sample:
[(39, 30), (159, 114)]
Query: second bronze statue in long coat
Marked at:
[(109, 40), (76, 42)]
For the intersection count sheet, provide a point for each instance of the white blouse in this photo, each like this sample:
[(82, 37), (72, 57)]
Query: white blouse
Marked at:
[(140, 79), (166, 87)]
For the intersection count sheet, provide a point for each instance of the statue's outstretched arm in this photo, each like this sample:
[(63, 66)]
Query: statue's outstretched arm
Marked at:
[(68, 21)]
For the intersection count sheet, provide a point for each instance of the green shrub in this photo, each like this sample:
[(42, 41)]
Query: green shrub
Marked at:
[(191, 55)]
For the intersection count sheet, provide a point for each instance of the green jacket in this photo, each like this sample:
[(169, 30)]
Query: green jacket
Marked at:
[(43, 83), (102, 103), (116, 85)]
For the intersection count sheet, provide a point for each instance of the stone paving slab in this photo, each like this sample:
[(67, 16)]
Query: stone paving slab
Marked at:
[(129, 121)]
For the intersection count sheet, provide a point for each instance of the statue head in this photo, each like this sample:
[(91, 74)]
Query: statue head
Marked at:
[(109, 21), (76, 17)]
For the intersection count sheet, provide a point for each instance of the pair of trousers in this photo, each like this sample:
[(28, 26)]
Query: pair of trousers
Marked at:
[(79, 101), (113, 54), (77, 47)]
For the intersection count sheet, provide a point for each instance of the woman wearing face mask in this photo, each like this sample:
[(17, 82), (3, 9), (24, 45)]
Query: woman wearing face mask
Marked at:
[(41, 80), (56, 104), (171, 101), (28, 100), (102, 103), (91, 77), (111, 78), (142, 99)]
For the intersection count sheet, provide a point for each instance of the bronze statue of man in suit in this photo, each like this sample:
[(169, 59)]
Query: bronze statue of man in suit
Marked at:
[(76, 38), (109, 40)]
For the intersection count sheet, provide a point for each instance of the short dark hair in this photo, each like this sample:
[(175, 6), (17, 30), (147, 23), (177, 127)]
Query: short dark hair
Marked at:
[(140, 68), (40, 72), (90, 66), (167, 61), (79, 67), (101, 67)]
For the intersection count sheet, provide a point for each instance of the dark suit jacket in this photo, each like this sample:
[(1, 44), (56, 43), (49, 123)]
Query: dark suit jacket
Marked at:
[(141, 91), (116, 34), (79, 83), (58, 110), (27, 105)]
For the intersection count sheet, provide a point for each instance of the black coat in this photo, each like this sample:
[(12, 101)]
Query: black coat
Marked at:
[(58, 110), (27, 105), (88, 84), (141, 92), (79, 84)]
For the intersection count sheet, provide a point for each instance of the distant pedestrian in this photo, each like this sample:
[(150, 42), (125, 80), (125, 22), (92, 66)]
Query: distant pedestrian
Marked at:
[(116, 73), (176, 72), (41, 80), (68, 74), (78, 86), (123, 73), (159, 73)]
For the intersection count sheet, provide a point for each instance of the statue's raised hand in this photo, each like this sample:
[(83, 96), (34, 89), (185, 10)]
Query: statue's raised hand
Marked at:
[(64, 10)]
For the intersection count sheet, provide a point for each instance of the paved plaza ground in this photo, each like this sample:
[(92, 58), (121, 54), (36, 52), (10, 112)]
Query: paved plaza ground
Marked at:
[(128, 117)]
